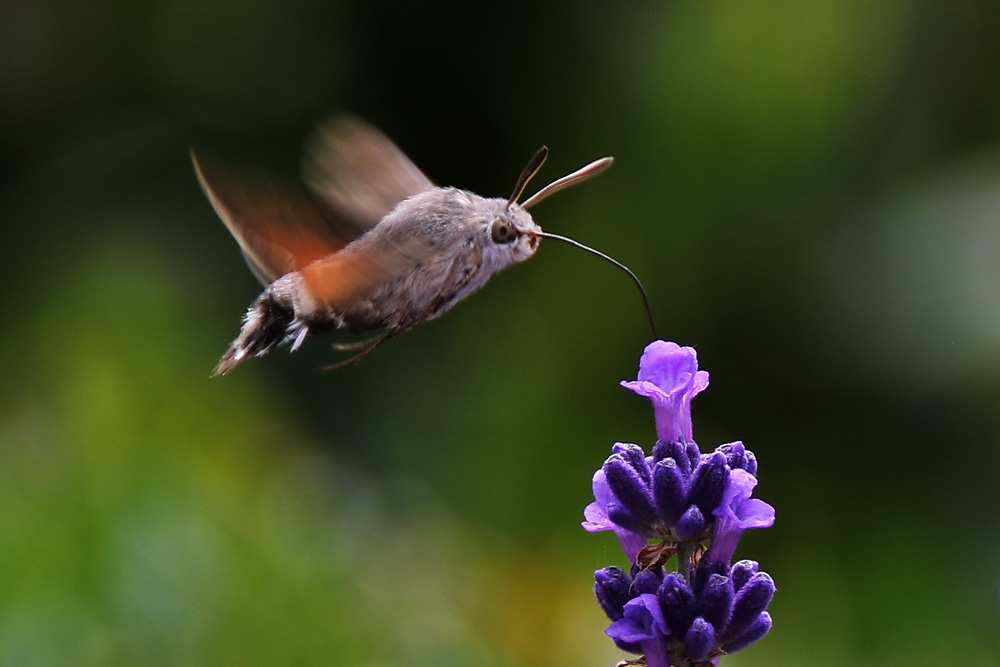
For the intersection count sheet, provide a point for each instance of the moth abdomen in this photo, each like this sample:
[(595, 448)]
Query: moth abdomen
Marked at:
[(269, 321)]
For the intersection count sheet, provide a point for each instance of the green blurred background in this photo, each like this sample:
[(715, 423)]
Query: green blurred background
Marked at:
[(810, 191)]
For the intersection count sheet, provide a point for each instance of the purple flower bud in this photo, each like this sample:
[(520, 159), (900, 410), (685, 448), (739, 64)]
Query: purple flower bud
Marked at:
[(669, 375), (693, 456), (677, 602), (631, 490), (738, 456), (705, 571), (735, 453), (691, 523), (597, 518), (715, 601), (742, 571), (624, 520), (646, 581), (665, 450), (699, 639), (709, 483), (611, 586), (757, 629), (669, 491), (751, 601), (636, 457)]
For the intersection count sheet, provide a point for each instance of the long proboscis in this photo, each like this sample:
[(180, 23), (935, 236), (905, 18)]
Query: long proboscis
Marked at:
[(635, 278), (592, 169)]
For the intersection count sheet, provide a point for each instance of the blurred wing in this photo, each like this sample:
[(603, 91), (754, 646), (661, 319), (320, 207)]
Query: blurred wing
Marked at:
[(279, 228), (358, 172), (349, 281)]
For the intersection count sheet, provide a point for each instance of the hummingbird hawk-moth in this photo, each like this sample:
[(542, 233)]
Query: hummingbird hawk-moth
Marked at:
[(371, 246)]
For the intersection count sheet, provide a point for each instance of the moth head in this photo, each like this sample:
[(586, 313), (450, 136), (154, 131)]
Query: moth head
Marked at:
[(513, 227), (513, 233)]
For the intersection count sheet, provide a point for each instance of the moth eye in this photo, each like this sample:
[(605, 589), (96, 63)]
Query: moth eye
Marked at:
[(502, 231)]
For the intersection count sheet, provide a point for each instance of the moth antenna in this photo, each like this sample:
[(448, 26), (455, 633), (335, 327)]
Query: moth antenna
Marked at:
[(583, 173), (534, 164), (635, 279)]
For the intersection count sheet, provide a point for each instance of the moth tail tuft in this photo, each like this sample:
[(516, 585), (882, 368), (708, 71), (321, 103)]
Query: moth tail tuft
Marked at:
[(266, 324)]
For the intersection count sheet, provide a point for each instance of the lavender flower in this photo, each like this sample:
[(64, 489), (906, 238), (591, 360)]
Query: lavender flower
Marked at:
[(679, 498), (669, 375), (642, 624), (685, 625), (677, 495)]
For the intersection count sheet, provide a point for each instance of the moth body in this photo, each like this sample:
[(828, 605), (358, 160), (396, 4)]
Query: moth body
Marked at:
[(431, 251), (372, 246)]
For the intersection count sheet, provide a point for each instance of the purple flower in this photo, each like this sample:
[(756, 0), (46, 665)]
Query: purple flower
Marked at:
[(643, 624), (642, 620), (679, 497), (737, 512), (669, 375), (667, 618), (676, 501)]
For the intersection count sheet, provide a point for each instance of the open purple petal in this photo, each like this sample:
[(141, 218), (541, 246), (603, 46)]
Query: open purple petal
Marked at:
[(596, 513), (643, 621), (669, 376), (596, 519), (737, 512)]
